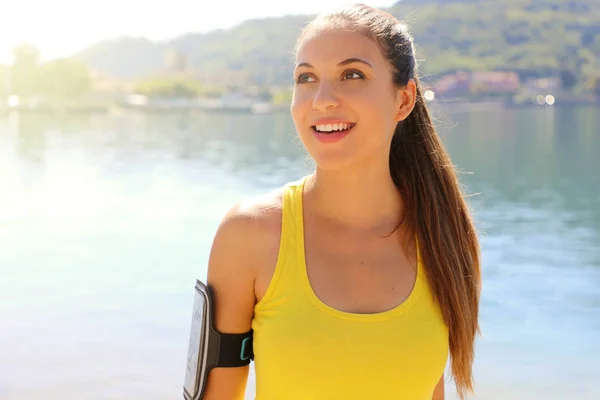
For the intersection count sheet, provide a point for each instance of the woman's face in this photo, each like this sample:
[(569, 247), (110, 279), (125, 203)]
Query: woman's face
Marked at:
[(345, 106)]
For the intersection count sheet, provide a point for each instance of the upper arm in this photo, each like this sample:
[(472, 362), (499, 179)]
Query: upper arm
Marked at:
[(438, 392), (231, 275)]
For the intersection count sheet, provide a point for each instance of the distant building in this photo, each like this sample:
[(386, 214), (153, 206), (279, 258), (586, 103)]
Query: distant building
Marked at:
[(455, 85), (552, 84), (465, 83), (495, 82)]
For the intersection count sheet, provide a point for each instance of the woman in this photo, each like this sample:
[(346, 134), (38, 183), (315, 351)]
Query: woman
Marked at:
[(360, 279)]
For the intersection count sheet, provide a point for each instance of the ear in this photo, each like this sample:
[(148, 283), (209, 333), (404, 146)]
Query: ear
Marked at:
[(405, 100)]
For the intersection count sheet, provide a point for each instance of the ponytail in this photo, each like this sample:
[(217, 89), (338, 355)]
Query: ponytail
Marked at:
[(437, 212)]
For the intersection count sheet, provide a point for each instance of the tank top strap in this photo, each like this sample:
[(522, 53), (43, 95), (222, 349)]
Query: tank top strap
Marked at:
[(292, 219), (285, 280)]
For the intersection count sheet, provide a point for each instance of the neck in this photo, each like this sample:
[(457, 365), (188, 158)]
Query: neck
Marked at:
[(363, 198)]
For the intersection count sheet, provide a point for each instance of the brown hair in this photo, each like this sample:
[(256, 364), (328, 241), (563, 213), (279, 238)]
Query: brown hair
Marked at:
[(435, 207)]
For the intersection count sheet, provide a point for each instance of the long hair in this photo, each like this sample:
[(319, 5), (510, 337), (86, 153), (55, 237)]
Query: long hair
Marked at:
[(435, 206)]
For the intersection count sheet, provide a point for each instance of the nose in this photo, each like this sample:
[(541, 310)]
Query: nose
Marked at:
[(325, 98)]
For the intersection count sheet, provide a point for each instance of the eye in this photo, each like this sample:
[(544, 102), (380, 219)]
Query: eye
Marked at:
[(304, 78), (352, 75)]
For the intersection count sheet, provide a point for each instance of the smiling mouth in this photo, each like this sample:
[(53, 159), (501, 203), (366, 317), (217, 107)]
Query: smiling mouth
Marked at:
[(332, 128)]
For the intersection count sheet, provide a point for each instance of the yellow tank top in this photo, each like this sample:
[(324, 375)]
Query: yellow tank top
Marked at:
[(307, 350)]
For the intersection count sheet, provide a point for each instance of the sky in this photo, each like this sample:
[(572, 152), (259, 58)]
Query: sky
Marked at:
[(61, 27)]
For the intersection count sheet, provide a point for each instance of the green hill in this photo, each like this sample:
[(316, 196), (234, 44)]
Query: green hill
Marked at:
[(533, 37)]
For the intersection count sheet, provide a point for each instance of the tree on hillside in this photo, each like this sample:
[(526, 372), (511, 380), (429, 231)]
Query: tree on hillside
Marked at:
[(26, 56), (65, 78), (25, 70), (568, 79), (169, 87), (596, 86), (4, 89)]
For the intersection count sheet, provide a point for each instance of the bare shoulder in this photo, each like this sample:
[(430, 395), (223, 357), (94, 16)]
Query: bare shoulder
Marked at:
[(256, 220), (244, 251)]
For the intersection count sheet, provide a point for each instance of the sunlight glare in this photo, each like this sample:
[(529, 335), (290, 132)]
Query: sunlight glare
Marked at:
[(13, 101)]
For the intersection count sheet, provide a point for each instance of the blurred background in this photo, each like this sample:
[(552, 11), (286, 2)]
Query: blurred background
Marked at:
[(128, 128)]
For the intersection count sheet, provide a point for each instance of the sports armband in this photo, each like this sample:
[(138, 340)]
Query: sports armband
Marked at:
[(209, 348)]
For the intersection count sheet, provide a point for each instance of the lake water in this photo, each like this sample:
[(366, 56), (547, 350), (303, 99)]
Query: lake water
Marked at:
[(106, 220)]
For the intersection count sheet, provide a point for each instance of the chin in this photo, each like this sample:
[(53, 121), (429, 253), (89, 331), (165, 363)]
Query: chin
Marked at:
[(334, 162), (346, 154), (329, 160)]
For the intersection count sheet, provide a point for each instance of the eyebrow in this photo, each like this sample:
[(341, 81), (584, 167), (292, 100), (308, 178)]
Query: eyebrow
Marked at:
[(340, 64)]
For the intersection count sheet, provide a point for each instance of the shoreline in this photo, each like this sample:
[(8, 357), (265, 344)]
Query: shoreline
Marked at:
[(266, 108)]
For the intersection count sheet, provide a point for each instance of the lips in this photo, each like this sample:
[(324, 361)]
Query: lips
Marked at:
[(329, 135)]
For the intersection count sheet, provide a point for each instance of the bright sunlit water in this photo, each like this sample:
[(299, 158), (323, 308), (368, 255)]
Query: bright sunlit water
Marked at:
[(106, 220)]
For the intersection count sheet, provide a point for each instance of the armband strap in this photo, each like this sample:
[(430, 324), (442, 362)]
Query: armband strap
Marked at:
[(235, 349)]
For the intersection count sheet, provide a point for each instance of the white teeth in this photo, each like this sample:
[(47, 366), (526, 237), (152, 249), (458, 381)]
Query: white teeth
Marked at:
[(332, 127)]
